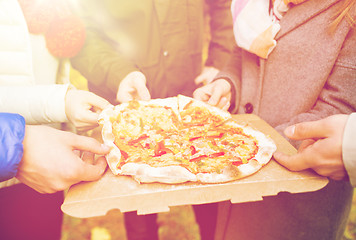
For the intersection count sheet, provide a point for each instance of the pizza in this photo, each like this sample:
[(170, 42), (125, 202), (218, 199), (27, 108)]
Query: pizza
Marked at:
[(180, 139)]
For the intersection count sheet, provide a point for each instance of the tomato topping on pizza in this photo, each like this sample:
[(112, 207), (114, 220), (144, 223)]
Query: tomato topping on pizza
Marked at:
[(180, 139)]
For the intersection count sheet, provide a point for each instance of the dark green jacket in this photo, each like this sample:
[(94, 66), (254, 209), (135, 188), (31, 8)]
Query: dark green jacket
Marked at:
[(161, 38)]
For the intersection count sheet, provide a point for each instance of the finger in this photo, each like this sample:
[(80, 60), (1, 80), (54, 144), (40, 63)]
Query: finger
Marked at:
[(124, 96), (88, 157), (295, 162), (306, 143), (299, 131), (90, 118), (143, 93), (93, 172), (216, 96), (77, 152), (88, 144), (226, 107), (97, 102), (202, 94), (223, 103), (200, 79), (83, 129)]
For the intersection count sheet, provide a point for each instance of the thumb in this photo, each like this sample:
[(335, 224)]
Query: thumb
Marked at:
[(143, 93), (94, 172), (202, 93), (216, 95), (124, 96)]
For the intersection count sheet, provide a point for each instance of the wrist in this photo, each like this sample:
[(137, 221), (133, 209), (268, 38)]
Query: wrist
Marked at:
[(68, 99)]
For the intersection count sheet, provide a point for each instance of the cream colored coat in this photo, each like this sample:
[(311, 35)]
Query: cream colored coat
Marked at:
[(309, 75), (28, 72)]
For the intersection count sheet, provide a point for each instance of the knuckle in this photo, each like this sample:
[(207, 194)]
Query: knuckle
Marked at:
[(301, 129), (328, 125)]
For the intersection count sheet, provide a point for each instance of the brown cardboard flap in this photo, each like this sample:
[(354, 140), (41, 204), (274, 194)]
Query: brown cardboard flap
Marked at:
[(89, 199)]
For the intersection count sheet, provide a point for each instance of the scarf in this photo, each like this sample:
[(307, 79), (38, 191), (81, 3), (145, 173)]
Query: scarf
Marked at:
[(256, 24)]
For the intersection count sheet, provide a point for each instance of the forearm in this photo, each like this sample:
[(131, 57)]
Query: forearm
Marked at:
[(36, 103)]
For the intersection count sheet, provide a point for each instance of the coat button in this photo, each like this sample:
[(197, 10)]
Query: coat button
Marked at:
[(248, 108), (165, 53)]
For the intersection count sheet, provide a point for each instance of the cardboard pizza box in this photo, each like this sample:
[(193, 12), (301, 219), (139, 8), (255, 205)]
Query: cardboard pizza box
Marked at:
[(90, 199)]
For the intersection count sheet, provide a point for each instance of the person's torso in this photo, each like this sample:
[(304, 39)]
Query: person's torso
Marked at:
[(290, 81), (164, 38)]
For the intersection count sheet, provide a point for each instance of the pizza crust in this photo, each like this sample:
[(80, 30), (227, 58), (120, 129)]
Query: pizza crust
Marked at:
[(144, 173), (230, 173), (113, 157)]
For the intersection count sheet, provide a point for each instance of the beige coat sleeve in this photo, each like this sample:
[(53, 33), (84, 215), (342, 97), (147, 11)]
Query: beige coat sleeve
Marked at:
[(349, 148), (38, 104)]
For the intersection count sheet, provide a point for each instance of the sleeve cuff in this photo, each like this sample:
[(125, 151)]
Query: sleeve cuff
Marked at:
[(349, 148), (38, 104)]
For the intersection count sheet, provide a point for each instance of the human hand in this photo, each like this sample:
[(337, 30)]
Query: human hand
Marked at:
[(133, 86), (321, 149), (83, 108), (206, 76), (216, 93), (51, 163)]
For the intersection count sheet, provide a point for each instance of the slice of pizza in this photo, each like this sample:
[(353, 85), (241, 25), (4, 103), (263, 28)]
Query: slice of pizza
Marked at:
[(136, 122), (152, 158), (229, 152), (194, 112)]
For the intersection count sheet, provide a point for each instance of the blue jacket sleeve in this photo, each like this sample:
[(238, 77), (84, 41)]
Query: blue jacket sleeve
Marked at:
[(12, 132)]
